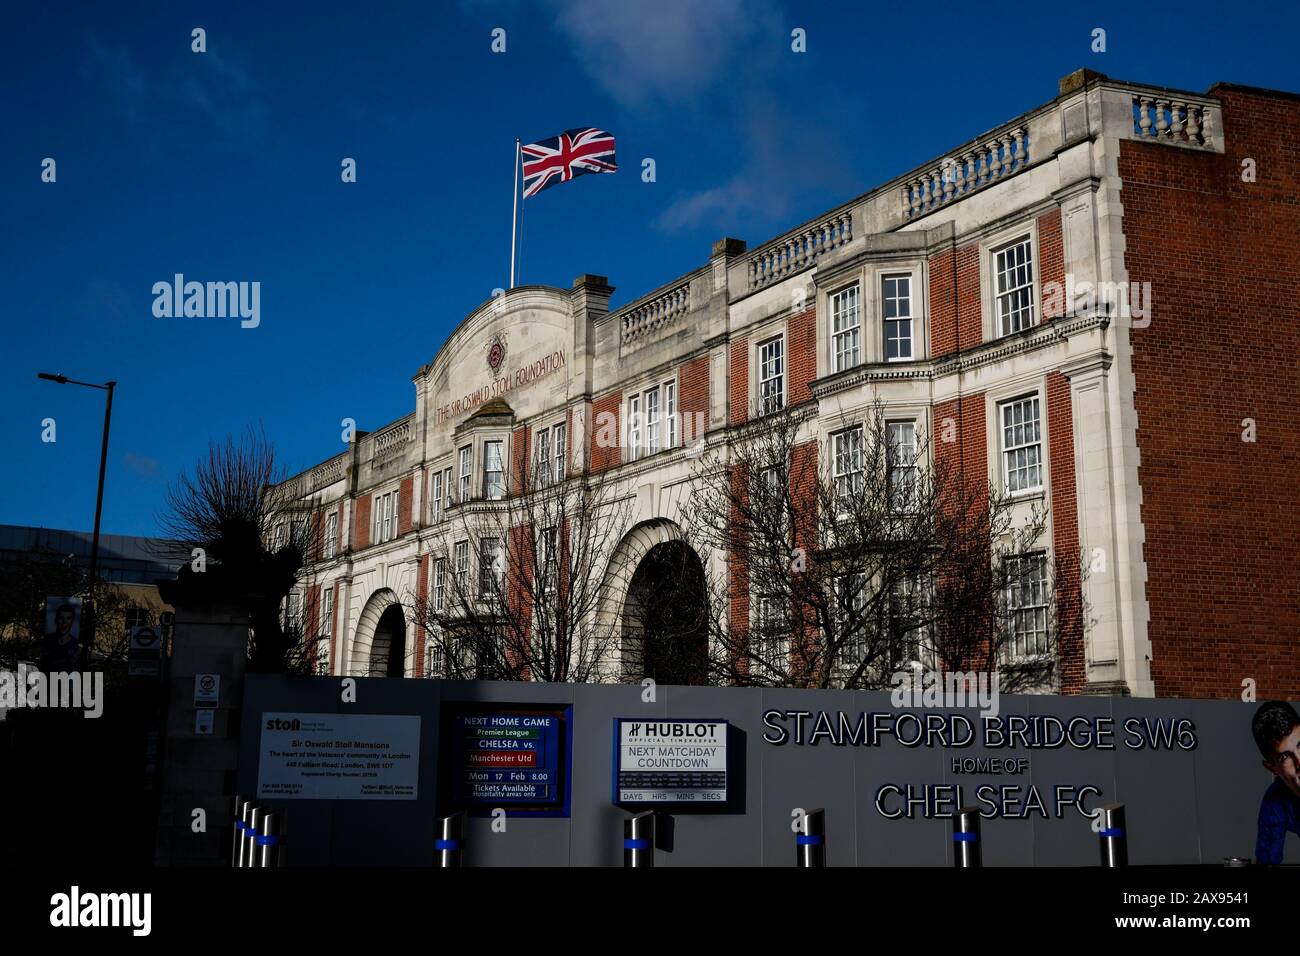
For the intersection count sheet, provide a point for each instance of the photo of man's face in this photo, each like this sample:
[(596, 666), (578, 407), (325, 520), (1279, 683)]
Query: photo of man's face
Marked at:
[(63, 621), (1285, 762)]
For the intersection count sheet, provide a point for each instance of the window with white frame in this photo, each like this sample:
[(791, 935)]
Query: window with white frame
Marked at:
[(670, 414), (846, 458), (850, 607), (909, 601), (1013, 286), (447, 488), (490, 566), (460, 557), (900, 462), (652, 421), (437, 659), (292, 619), (277, 536), (330, 545), (435, 497), (386, 512), (440, 584), (846, 328), (559, 448), (548, 570), (771, 376), (542, 457), (1028, 603), (634, 427), (769, 650), (494, 470), (466, 470), (1022, 445), (896, 300), (326, 627)]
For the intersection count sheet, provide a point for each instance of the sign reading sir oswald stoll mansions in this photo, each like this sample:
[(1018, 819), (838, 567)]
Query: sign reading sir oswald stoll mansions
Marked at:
[(670, 762), (339, 757)]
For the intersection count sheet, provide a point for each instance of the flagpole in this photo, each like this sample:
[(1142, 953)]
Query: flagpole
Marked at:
[(514, 218)]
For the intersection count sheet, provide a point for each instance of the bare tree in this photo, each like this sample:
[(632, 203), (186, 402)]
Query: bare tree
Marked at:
[(255, 537), (866, 556), (517, 591)]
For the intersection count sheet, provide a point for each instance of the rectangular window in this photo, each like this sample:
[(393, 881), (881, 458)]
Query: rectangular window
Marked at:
[(558, 441), (896, 297), (137, 617), (771, 376), (494, 470), (447, 489), (440, 584), (327, 614), (847, 462), (435, 497), (1013, 283), (846, 328), (770, 642), (490, 566), (900, 459), (461, 557), (652, 421), (331, 543), (908, 611), (1027, 602), (670, 414), (293, 611), (378, 507), (548, 570), (542, 457), (1022, 452), (634, 427), (466, 468), (850, 611), (390, 515)]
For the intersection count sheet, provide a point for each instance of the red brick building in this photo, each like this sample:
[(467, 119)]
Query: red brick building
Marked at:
[(1098, 299)]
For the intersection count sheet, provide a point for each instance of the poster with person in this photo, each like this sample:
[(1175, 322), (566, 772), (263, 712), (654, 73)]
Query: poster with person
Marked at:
[(62, 633)]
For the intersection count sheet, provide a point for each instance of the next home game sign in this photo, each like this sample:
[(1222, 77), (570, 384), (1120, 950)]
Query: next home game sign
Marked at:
[(508, 757), (670, 762)]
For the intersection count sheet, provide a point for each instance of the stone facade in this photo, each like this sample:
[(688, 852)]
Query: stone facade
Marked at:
[(1139, 402)]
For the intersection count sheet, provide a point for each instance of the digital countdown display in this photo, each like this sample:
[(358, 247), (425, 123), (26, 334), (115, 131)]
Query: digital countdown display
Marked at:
[(670, 762)]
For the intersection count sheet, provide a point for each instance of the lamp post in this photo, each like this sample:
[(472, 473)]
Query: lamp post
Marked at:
[(99, 502)]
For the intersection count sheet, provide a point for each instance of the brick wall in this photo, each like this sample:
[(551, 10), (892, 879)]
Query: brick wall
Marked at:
[(803, 355), (1220, 515), (693, 399), (405, 503), (607, 431), (361, 522), (739, 398), (1065, 533), (1051, 260), (955, 311)]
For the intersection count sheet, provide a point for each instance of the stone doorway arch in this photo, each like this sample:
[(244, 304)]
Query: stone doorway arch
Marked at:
[(379, 648)]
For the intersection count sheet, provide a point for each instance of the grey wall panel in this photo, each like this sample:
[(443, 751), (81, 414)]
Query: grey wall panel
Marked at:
[(1183, 806)]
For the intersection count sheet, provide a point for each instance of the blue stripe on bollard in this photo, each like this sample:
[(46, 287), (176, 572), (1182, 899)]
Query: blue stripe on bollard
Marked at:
[(447, 845), (1112, 832), (636, 844), (271, 840), (240, 824), (965, 837), (809, 839)]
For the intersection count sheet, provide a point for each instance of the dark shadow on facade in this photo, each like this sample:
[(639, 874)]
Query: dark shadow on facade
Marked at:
[(665, 619)]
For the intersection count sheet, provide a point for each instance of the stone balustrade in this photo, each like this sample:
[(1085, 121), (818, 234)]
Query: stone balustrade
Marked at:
[(799, 250), (1169, 119), (1001, 155), (391, 441), (641, 319), (327, 473)]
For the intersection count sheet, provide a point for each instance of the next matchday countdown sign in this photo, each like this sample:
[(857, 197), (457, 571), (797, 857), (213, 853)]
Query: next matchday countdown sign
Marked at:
[(672, 762)]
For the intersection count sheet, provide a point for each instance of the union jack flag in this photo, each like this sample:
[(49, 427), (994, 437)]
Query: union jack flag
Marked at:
[(560, 158)]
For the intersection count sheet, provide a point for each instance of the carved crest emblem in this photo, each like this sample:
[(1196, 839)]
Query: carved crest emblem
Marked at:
[(496, 352)]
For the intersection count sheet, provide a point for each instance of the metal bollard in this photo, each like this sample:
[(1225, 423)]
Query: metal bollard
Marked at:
[(252, 831), (237, 835), (246, 821), (639, 840), (451, 840), (270, 843), (1114, 836), (810, 844), (966, 838)]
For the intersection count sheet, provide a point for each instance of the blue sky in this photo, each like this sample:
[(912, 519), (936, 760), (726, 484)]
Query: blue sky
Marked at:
[(225, 166)]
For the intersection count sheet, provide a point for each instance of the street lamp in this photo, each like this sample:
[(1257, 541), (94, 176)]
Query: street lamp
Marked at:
[(99, 501)]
